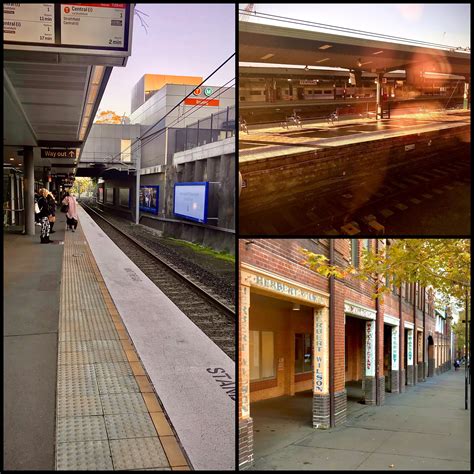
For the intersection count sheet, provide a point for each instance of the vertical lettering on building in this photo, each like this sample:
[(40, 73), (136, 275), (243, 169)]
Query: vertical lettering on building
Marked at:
[(321, 346), (395, 343), (244, 347), (370, 348), (410, 347)]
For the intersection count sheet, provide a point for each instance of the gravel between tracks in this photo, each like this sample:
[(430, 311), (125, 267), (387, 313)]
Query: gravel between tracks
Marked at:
[(213, 273)]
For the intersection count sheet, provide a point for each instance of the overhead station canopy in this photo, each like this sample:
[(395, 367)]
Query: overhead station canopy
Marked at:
[(57, 61), (279, 45)]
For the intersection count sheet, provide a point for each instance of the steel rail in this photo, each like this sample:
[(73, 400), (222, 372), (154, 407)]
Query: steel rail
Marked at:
[(201, 291)]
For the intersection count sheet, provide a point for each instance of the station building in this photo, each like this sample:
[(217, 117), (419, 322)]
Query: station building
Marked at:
[(327, 340), (195, 142)]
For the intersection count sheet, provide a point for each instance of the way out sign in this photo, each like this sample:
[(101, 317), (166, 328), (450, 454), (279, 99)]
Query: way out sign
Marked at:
[(58, 153)]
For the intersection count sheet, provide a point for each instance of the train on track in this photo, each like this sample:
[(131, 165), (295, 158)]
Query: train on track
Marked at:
[(269, 94)]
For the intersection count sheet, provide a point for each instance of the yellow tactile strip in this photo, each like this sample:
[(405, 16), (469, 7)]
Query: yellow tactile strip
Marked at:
[(100, 344)]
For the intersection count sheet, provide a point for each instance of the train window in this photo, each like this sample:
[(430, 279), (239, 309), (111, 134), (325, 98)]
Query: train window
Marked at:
[(256, 92)]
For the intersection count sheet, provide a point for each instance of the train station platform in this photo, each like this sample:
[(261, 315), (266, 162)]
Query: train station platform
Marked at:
[(349, 177), (102, 371)]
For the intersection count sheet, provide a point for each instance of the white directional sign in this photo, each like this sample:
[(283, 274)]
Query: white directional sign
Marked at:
[(93, 24), (29, 22)]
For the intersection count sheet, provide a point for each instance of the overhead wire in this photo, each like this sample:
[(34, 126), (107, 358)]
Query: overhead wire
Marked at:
[(189, 112), (180, 102), (270, 16), (140, 143)]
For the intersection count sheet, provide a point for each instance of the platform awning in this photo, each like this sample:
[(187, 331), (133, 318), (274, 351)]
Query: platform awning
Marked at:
[(262, 43)]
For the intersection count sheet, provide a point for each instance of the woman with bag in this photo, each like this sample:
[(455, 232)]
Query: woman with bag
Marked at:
[(43, 214), (52, 212), (71, 211)]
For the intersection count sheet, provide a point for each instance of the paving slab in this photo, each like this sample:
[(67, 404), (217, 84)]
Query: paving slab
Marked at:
[(395, 462), (181, 361), (309, 458)]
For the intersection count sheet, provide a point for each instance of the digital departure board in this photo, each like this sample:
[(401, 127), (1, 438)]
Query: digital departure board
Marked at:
[(78, 26)]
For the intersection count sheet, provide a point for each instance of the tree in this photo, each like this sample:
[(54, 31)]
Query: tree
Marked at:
[(444, 264), (83, 185), (109, 116)]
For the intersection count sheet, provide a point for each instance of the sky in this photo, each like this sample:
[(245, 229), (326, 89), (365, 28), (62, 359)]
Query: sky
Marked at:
[(183, 40), (447, 24)]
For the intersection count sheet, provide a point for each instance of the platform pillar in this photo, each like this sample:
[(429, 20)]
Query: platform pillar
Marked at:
[(29, 182), (465, 104), (378, 108), (321, 402)]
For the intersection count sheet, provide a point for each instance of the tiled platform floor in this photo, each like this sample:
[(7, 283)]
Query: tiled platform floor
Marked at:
[(108, 417)]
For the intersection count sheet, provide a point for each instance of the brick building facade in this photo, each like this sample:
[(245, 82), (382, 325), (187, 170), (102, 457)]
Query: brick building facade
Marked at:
[(299, 331)]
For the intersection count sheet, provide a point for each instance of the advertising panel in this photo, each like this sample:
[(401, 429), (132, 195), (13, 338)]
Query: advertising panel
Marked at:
[(100, 196), (109, 195), (124, 197), (191, 200), (149, 198)]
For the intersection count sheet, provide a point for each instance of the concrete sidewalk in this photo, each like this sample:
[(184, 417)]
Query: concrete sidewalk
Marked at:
[(425, 428), (32, 277)]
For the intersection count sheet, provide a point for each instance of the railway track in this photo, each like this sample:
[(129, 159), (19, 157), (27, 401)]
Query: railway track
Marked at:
[(326, 214), (212, 315)]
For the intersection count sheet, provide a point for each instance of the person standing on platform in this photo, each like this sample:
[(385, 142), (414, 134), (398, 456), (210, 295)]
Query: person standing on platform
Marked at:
[(71, 214), (43, 215), (52, 212)]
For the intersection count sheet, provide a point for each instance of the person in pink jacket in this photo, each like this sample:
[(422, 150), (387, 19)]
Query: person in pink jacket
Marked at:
[(71, 215)]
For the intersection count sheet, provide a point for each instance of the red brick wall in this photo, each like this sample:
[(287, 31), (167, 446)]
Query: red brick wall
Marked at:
[(283, 257)]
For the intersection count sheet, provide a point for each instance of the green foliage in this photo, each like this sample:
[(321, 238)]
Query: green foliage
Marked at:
[(444, 264)]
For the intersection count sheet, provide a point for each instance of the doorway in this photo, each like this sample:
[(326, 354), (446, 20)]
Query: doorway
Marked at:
[(387, 356)]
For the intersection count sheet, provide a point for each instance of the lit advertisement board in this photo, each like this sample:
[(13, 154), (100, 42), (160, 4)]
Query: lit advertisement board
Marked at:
[(82, 28), (190, 201), (149, 199), (100, 196)]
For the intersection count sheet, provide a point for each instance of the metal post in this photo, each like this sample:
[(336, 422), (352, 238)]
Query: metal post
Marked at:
[(137, 184), (332, 315), (12, 196), (377, 350), (29, 169), (466, 356), (378, 107), (466, 89)]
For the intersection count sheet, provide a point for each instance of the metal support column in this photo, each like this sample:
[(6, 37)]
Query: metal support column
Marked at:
[(466, 92), (12, 197), (378, 107), (137, 184), (29, 181), (332, 316)]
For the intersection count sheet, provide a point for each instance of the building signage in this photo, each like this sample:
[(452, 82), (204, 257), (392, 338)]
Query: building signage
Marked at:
[(410, 347), (93, 24), (395, 348), (370, 349), (202, 101), (321, 349), (190, 200), (84, 26), (208, 91), (358, 310), (58, 153), (265, 282), (29, 22)]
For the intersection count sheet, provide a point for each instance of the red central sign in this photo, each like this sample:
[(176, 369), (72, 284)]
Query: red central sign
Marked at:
[(203, 101)]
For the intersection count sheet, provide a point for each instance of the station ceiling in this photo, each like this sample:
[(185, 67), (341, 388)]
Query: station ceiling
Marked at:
[(49, 105), (279, 45)]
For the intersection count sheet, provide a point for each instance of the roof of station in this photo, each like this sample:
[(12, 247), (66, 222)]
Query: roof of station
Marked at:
[(275, 44)]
